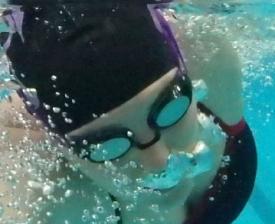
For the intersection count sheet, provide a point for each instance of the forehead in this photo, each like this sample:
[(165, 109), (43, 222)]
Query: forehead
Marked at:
[(139, 104)]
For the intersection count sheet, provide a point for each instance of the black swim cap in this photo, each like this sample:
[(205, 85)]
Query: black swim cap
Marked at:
[(87, 61), (22, 2)]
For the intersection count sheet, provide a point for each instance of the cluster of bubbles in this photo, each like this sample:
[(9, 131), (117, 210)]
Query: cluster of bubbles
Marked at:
[(26, 170), (250, 28), (26, 167)]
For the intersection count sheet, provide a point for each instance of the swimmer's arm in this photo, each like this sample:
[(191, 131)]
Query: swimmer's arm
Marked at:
[(221, 71), (222, 75)]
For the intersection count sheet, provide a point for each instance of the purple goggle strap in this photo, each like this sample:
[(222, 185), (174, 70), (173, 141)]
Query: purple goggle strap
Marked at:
[(14, 21), (164, 28)]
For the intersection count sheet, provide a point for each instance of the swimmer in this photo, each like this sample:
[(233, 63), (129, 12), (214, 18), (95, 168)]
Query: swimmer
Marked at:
[(131, 112)]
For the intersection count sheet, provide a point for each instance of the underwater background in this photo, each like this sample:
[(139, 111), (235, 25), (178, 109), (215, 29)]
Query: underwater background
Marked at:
[(251, 28)]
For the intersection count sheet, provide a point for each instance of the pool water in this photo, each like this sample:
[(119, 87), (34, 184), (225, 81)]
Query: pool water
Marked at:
[(260, 108), (255, 43), (259, 94), (251, 28)]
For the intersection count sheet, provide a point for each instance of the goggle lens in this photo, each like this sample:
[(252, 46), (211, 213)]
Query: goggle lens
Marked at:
[(109, 150), (172, 112)]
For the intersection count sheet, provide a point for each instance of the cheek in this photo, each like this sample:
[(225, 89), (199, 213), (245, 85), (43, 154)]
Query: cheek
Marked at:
[(184, 133), (129, 164)]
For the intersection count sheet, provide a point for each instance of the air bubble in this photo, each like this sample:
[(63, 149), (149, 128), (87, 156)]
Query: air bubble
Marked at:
[(68, 193), (130, 207), (49, 214), (155, 208), (117, 182), (211, 199), (224, 177), (47, 190), (133, 164), (130, 134), (84, 142), (115, 205), (46, 106), (28, 103), (95, 115), (64, 114), (53, 77), (100, 209), (94, 216), (68, 120), (226, 158), (56, 109), (112, 219)]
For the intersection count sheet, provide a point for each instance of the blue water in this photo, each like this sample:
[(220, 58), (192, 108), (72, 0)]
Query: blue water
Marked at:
[(260, 109), (258, 42), (259, 95)]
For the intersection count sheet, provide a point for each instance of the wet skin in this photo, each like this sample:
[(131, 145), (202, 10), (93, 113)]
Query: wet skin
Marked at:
[(182, 137)]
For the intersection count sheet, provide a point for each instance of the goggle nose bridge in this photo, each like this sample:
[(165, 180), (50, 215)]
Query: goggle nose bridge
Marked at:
[(144, 146)]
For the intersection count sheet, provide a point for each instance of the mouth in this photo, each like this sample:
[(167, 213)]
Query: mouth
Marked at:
[(179, 167)]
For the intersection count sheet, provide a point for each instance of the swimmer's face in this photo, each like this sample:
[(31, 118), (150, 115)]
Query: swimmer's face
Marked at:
[(136, 164)]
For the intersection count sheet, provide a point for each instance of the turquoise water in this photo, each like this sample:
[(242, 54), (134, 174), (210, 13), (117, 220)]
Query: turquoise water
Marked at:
[(260, 108), (259, 94), (253, 34), (256, 46)]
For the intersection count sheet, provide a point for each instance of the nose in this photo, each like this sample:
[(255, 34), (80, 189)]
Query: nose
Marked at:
[(154, 158)]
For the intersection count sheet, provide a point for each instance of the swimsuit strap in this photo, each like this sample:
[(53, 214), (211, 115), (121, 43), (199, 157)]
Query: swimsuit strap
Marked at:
[(231, 130), (14, 20)]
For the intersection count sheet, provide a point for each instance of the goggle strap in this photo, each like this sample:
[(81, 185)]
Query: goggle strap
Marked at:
[(14, 19), (164, 28)]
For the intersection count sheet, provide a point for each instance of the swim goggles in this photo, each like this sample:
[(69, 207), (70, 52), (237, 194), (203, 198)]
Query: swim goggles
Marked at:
[(114, 142)]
